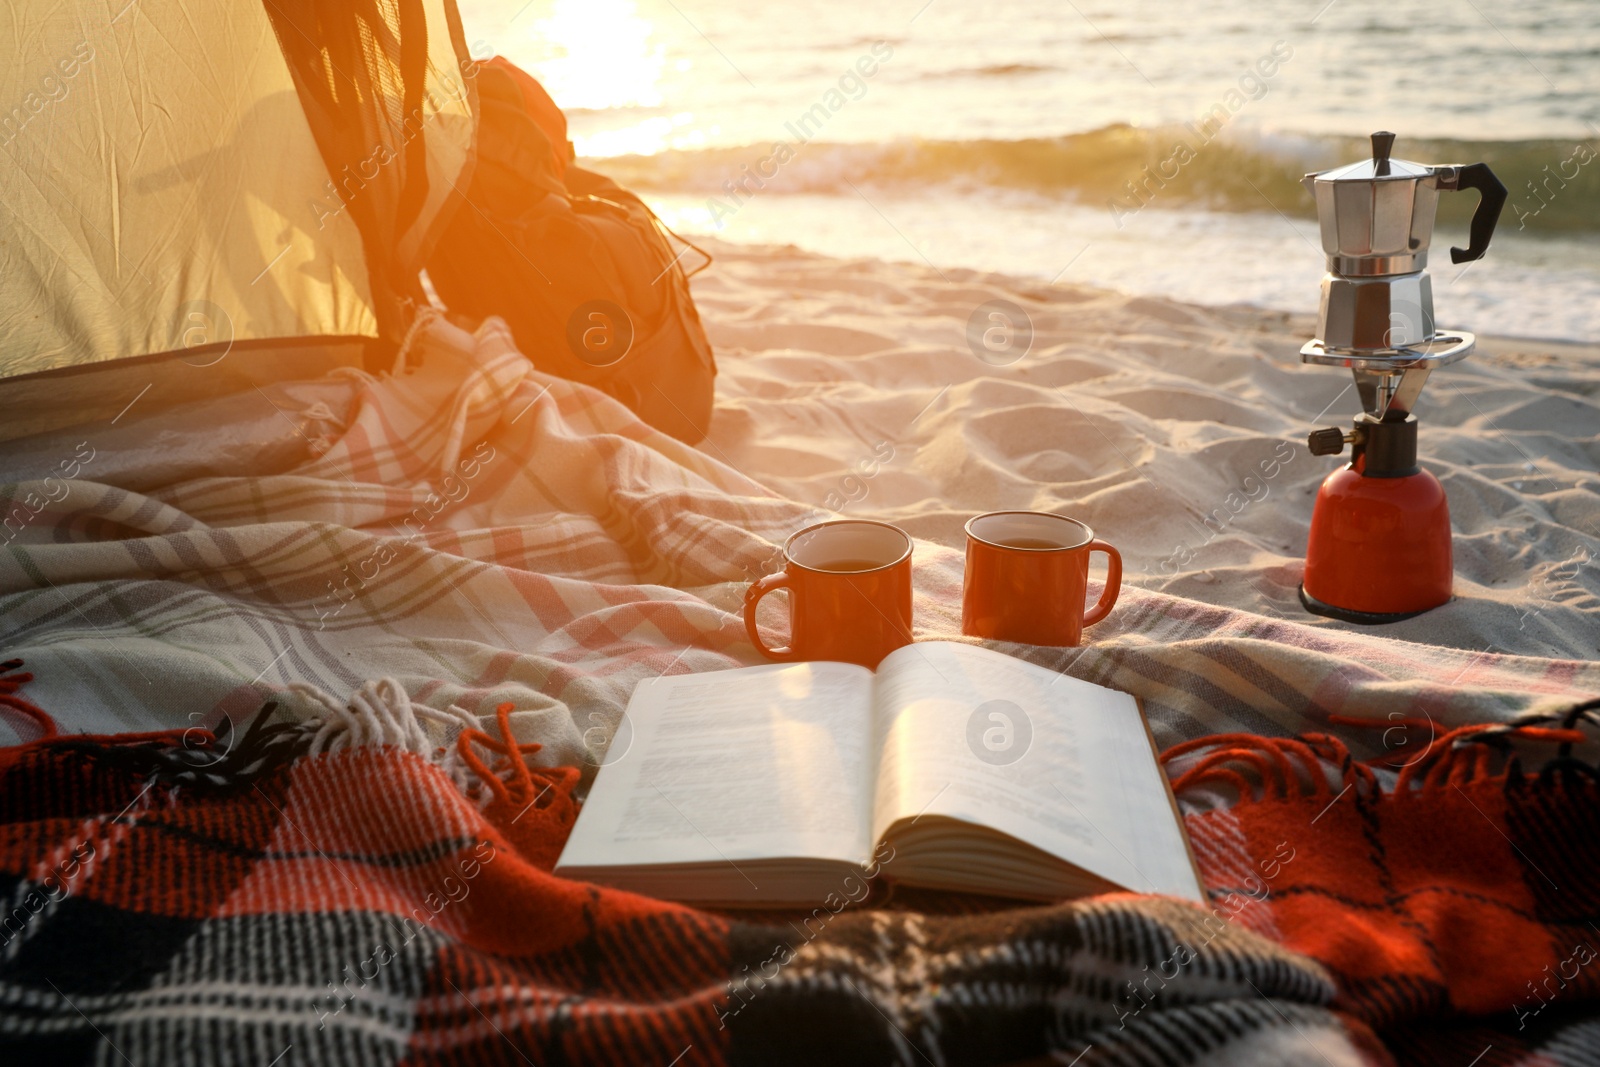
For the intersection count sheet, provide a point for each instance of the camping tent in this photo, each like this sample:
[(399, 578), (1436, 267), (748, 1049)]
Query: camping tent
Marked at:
[(201, 196)]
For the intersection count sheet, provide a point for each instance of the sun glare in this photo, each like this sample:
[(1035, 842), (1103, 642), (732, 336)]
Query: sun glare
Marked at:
[(604, 61), (644, 138), (599, 54)]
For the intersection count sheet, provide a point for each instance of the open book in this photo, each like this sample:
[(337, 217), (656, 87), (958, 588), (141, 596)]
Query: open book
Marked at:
[(953, 767)]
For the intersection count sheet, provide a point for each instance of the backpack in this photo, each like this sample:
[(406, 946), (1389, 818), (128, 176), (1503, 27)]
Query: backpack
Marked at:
[(590, 281)]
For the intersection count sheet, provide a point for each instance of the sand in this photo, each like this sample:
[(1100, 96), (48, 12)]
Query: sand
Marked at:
[(850, 385)]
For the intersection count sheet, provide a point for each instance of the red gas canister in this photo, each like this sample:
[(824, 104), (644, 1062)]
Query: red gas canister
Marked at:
[(1379, 547)]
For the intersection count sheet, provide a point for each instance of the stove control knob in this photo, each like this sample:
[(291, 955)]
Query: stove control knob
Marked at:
[(1326, 442)]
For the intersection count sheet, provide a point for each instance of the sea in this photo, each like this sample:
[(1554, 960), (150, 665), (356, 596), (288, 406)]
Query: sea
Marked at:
[(1154, 148)]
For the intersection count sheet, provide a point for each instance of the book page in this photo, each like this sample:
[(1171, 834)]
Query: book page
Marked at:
[(1062, 764), (725, 766)]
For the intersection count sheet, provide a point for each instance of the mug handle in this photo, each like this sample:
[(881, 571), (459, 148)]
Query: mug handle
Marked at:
[(752, 597), (1108, 596)]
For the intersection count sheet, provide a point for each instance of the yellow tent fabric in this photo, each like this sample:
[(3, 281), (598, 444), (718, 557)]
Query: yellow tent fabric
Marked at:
[(162, 189)]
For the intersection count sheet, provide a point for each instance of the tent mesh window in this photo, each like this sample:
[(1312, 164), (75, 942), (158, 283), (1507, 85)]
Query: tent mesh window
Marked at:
[(360, 68)]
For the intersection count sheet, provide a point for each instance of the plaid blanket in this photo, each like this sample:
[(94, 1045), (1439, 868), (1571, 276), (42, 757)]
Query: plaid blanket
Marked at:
[(484, 533), (374, 888)]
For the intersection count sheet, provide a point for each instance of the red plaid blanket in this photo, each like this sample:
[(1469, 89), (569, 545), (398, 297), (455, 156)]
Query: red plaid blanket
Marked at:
[(374, 888), (1451, 894)]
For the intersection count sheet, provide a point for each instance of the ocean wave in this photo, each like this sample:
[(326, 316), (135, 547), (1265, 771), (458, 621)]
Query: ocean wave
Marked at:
[(995, 70), (1553, 185)]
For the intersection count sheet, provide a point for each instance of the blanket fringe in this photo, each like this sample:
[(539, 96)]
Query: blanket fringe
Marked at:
[(380, 713), (1273, 768), (190, 757), (12, 678)]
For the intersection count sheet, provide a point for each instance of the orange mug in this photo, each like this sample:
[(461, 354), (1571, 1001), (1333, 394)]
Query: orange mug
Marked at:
[(1027, 573), (849, 585)]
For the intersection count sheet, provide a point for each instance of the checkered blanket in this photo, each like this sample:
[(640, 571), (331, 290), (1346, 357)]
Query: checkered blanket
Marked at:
[(448, 599), (374, 888), (484, 533)]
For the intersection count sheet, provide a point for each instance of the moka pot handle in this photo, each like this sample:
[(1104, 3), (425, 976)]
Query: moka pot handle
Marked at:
[(1491, 198)]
